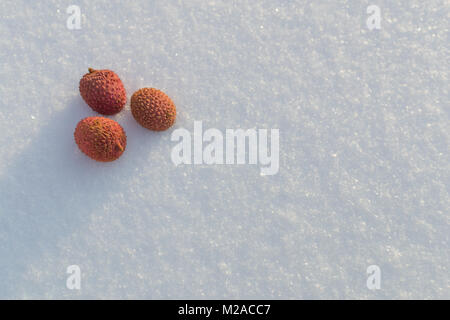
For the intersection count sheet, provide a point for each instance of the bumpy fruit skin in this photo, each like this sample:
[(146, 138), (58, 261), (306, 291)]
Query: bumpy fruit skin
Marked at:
[(103, 91), (100, 138), (153, 109)]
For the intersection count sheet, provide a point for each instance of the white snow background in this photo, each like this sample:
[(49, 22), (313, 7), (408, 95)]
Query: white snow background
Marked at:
[(364, 151)]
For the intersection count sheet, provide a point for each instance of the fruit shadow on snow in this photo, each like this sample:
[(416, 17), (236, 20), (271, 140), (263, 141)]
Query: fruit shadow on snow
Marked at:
[(50, 191)]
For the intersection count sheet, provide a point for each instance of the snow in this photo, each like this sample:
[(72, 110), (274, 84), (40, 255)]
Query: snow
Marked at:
[(364, 157)]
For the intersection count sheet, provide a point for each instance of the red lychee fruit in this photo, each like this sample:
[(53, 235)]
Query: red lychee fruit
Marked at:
[(100, 138), (153, 109), (103, 91)]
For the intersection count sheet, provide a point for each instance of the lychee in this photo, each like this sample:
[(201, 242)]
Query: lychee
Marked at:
[(100, 138), (153, 109), (103, 91)]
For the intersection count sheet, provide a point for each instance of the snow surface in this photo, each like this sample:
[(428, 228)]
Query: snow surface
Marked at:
[(364, 151)]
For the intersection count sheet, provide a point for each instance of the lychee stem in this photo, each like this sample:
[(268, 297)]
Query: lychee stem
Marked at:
[(91, 70), (119, 146)]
